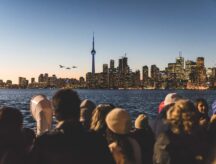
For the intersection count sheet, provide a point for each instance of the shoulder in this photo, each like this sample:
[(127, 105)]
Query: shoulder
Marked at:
[(162, 140)]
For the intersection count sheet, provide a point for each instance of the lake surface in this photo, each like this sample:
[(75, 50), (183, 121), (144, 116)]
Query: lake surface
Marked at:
[(135, 101)]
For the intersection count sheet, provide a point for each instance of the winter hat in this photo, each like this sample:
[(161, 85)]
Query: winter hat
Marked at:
[(141, 121), (42, 112), (214, 107), (119, 121), (171, 98), (86, 108)]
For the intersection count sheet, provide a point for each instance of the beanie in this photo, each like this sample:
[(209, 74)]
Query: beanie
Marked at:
[(119, 121)]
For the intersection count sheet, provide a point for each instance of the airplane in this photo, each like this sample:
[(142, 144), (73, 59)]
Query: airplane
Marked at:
[(68, 68), (61, 66), (74, 66)]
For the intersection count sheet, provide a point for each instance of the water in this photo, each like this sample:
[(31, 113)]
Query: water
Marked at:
[(135, 101)]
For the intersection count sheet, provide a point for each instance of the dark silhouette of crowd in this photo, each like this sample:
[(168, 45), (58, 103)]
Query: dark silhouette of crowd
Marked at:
[(184, 132)]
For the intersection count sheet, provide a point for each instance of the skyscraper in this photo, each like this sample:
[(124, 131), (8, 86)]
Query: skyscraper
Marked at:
[(93, 52), (112, 64), (145, 73)]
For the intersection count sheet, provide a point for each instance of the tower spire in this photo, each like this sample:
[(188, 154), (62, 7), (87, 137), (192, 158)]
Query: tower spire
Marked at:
[(93, 52), (93, 42)]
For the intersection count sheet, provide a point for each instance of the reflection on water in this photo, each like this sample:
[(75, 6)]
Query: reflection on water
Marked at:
[(135, 101)]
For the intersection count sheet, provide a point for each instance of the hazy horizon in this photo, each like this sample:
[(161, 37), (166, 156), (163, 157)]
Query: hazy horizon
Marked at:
[(37, 36)]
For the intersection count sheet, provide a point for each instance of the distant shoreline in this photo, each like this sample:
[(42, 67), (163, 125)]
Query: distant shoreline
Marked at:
[(116, 88)]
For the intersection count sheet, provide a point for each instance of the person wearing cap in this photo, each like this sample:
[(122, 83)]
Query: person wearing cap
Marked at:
[(86, 109), (70, 142), (124, 148), (159, 124), (42, 112), (183, 142), (143, 134)]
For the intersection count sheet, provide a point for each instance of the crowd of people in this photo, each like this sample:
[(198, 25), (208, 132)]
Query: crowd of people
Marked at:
[(86, 133)]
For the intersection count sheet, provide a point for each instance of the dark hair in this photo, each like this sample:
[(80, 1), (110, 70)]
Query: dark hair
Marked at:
[(201, 100), (10, 118), (66, 104)]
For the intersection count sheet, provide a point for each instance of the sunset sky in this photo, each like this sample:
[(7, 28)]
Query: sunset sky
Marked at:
[(38, 35)]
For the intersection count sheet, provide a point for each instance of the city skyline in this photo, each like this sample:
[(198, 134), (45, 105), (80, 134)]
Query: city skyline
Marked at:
[(37, 36)]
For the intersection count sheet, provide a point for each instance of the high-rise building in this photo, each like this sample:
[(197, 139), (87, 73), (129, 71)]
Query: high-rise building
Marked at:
[(105, 68), (179, 68), (145, 73), (41, 78), (155, 73), (200, 62), (32, 80), (93, 52), (23, 82), (190, 67), (201, 70), (123, 65), (112, 64)]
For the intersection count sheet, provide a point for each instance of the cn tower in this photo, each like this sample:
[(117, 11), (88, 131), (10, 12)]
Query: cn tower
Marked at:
[(93, 52)]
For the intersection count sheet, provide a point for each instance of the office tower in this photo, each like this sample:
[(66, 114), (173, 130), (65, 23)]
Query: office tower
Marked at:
[(123, 65), (32, 80), (145, 73), (200, 62), (155, 73), (105, 68), (112, 64)]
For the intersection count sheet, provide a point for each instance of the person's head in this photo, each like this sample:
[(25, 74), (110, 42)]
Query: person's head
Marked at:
[(86, 109), (182, 117), (171, 98), (66, 105), (119, 121), (10, 118), (141, 122), (42, 112), (201, 106), (98, 116), (40, 103)]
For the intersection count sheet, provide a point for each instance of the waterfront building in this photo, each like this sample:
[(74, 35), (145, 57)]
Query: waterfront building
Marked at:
[(179, 68), (123, 65), (105, 68), (190, 70), (145, 75), (32, 80), (40, 78), (1, 83), (23, 83), (155, 73), (201, 71), (8, 83), (112, 64)]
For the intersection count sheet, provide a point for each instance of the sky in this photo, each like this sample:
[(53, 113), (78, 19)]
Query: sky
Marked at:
[(38, 35)]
